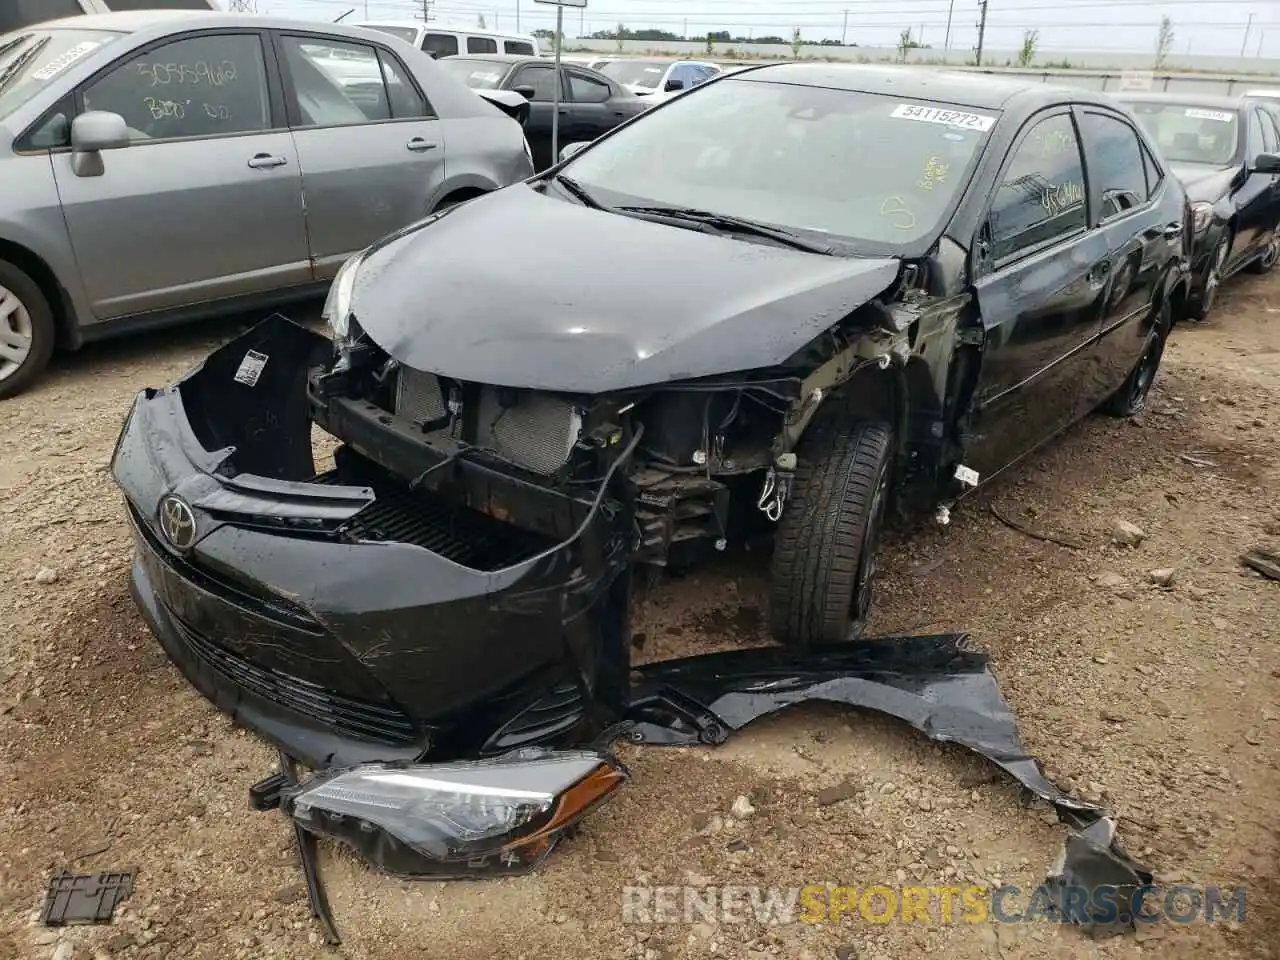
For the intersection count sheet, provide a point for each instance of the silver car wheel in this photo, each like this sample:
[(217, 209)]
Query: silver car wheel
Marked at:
[(15, 333)]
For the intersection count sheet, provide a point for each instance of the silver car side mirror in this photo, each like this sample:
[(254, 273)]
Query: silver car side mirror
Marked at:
[(570, 149), (91, 133)]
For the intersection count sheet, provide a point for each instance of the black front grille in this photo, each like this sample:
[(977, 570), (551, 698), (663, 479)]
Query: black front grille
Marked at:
[(463, 535), (256, 600), (372, 721)]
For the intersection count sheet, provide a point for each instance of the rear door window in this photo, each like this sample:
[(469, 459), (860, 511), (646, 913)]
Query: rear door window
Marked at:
[(519, 47), (586, 89), (1040, 197), (482, 45), (1117, 178), (335, 82)]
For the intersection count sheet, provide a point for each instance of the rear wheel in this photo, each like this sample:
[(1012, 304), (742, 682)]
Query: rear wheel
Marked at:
[(26, 330), (1131, 398), (825, 544)]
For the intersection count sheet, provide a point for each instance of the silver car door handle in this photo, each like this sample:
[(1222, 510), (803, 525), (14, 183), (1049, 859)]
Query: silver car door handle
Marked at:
[(418, 145), (263, 160)]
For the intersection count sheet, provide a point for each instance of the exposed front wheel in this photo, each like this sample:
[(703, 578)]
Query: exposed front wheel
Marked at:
[(26, 330), (825, 545), (1203, 305), (1270, 255), (1131, 398)]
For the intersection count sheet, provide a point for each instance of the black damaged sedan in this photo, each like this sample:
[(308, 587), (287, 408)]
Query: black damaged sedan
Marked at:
[(779, 305), (1226, 153)]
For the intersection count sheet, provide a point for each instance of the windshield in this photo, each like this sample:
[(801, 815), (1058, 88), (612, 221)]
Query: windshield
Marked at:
[(477, 74), (407, 34), (1187, 133), (636, 73), (32, 60), (874, 171)]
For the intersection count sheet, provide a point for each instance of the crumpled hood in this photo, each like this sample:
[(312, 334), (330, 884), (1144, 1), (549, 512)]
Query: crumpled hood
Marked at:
[(1203, 181), (525, 290)]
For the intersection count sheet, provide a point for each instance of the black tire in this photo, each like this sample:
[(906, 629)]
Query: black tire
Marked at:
[(43, 332), (1131, 398), (1202, 306), (1269, 257), (825, 544)]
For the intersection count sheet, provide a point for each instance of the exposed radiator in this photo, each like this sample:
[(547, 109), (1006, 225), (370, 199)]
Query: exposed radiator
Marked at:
[(418, 396), (536, 430)]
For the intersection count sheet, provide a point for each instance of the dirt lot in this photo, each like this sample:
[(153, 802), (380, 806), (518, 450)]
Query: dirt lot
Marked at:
[(1163, 702)]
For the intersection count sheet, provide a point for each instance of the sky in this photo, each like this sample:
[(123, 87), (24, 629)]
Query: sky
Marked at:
[(1207, 27)]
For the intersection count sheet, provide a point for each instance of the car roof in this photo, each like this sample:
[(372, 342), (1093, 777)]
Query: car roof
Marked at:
[(502, 58), (437, 26), (986, 91), (160, 21), (1198, 99), (131, 21)]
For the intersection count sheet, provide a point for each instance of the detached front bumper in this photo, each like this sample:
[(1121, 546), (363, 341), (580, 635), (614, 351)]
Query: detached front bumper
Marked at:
[(341, 616)]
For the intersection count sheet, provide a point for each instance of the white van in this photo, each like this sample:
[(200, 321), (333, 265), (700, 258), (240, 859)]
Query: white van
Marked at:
[(442, 40)]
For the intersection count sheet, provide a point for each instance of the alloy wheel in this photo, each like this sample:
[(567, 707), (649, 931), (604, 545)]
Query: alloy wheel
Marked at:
[(1273, 250), (1214, 280), (16, 333)]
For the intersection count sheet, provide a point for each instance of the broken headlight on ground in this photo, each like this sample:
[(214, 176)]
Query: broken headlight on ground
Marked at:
[(456, 820)]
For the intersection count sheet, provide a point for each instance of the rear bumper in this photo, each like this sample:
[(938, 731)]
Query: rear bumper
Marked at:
[(313, 611)]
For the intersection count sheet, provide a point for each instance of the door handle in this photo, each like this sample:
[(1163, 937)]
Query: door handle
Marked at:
[(262, 161), (418, 145)]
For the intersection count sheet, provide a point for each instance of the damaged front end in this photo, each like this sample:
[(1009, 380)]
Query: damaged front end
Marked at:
[(352, 615), (709, 459)]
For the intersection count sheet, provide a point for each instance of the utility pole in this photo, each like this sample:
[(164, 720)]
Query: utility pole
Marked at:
[(426, 10), (946, 43), (1247, 27), (517, 16), (582, 16), (982, 31), (844, 31)]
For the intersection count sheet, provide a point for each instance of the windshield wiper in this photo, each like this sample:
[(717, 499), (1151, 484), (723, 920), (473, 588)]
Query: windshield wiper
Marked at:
[(21, 60), (726, 223), (576, 190)]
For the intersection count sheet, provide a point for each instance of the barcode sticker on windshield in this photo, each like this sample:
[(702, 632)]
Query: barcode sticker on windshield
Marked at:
[(251, 368), (58, 64), (1222, 116), (948, 118)]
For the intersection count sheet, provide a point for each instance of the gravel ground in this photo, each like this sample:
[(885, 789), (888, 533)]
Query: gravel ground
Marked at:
[(1161, 701)]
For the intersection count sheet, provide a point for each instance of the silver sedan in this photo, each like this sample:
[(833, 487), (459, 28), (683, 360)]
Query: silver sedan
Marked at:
[(159, 166)]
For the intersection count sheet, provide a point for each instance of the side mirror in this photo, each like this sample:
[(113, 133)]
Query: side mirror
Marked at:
[(674, 85), (527, 92), (91, 133), (572, 149), (1266, 163)]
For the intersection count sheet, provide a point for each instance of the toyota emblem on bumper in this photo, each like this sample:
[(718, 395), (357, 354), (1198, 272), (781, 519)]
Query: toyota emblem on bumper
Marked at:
[(177, 522)]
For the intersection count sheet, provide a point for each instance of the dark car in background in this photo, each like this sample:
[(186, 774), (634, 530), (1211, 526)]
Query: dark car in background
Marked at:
[(1226, 152), (768, 308), (591, 104)]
